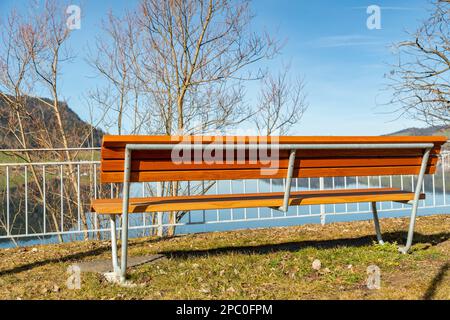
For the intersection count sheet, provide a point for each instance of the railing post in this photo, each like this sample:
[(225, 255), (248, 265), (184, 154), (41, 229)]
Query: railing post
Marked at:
[(8, 231), (44, 201), (159, 213), (26, 198), (322, 206)]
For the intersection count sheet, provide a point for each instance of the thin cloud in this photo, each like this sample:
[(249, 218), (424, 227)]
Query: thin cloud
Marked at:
[(390, 8), (346, 41)]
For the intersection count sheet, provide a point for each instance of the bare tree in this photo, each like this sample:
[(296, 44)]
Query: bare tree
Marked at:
[(420, 80), (195, 56), (190, 59), (30, 60), (48, 55), (281, 104), (19, 38), (112, 61)]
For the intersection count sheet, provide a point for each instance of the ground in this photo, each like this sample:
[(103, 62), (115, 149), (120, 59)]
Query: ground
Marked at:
[(271, 263)]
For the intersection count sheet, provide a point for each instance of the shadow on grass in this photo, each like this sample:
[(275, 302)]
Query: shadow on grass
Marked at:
[(437, 280), (399, 237), (76, 257)]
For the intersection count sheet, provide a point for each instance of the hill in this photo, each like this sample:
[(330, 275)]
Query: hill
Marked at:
[(428, 131), (41, 126)]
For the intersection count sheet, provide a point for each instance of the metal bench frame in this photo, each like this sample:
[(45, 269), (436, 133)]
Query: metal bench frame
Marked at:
[(120, 271)]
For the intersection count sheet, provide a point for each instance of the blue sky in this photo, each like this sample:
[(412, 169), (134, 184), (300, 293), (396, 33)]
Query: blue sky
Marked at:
[(328, 44)]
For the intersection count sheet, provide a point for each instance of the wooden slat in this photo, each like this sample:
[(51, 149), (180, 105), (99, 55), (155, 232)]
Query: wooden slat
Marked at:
[(121, 141), (119, 153), (213, 202), (192, 175), (159, 165)]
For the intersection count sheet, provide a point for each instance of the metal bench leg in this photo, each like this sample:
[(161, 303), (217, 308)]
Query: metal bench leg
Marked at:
[(125, 202), (287, 191), (377, 223), (115, 263), (415, 203)]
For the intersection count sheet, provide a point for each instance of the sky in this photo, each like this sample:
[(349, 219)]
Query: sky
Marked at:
[(328, 44)]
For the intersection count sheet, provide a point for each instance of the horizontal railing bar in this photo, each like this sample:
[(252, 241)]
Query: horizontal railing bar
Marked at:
[(57, 163), (51, 149)]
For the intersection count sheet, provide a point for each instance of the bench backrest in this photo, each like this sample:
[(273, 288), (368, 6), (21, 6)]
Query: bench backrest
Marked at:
[(158, 165)]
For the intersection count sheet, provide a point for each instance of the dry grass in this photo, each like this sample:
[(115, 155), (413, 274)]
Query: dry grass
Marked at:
[(252, 264)]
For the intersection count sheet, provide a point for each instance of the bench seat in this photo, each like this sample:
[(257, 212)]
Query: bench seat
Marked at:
[(251, 200)]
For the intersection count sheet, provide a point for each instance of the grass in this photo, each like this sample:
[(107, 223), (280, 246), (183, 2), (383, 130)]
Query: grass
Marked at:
[(271, 263)]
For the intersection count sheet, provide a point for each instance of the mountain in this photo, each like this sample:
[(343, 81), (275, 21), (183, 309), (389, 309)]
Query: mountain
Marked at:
[(41, 127), (428, 131)]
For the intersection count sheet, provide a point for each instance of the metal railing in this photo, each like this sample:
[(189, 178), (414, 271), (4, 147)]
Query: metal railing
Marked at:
[(49, 201)]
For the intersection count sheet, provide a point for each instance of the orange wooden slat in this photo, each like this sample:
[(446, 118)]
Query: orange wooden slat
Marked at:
[(192, 175), (121, 141), (213, 202), (159, 165), (119, 153)]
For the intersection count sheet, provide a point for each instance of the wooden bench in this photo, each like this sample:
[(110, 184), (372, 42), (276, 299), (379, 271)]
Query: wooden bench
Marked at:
[(126, 159)]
